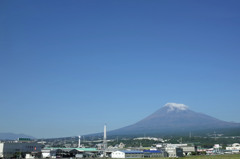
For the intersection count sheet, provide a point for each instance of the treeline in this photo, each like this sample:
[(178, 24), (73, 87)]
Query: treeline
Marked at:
[(204, 142)]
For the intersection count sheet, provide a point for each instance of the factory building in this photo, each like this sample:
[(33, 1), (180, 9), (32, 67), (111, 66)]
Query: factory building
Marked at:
[(69, 152), (138, 154), (118, 154), (188, 150), (234, 148), (174, 151), (154, 153), (127, 154), (48, 153), (18, 149)]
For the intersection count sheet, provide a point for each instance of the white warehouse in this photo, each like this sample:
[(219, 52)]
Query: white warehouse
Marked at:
[(118, 154), (127, 154), (235, 148)]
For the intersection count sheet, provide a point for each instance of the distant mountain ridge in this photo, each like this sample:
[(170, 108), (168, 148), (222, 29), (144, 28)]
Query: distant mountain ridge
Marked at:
[(174, 118), (13, 136)]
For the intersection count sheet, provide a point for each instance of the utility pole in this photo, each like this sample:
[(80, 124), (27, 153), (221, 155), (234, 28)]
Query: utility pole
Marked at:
[(215, 135)]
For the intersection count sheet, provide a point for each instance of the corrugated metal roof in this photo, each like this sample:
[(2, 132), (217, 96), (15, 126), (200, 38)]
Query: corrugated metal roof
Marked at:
[(79, 149), (152, 151), (132, 152)]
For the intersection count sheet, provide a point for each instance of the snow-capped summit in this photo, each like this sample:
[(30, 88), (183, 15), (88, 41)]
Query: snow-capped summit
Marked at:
[(175, 106)]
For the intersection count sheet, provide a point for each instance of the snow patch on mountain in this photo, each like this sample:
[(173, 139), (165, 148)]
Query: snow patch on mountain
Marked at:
[(175, 106)]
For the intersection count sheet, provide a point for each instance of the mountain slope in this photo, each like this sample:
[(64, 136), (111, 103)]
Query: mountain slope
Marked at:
[(12, 136), (174, 118)]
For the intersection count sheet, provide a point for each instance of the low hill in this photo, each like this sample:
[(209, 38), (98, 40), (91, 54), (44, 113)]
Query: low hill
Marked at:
[(12, 136)]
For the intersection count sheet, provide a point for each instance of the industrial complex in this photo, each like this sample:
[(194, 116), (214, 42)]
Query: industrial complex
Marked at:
[(27, 148)]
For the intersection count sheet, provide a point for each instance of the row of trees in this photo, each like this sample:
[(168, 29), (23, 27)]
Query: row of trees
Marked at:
[(205, 142)]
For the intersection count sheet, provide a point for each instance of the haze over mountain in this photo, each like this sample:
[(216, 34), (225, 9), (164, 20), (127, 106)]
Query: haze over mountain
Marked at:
[(13, 136), (174, 118)]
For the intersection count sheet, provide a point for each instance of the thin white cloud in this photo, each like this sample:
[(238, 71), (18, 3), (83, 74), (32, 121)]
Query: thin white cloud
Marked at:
[(174, 106)]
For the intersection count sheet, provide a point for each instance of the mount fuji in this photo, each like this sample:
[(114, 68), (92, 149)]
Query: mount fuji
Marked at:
[(174, 118)]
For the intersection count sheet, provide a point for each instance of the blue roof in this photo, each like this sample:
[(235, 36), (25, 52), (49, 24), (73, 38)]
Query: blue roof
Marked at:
[(132, 152), (152, 151)]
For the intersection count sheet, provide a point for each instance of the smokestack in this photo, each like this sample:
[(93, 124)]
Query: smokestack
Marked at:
[(79, 141), (105, 133), (105, 140)]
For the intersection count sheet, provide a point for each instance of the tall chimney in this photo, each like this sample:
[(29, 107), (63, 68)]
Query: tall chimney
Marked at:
[(79, 141), (105, 140), (105, 133)]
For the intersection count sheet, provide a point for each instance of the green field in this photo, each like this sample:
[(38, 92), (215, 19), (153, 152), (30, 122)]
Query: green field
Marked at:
[(229, 156)]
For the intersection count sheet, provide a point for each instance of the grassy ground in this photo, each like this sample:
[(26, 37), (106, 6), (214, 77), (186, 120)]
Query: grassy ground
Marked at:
[(229, 156)]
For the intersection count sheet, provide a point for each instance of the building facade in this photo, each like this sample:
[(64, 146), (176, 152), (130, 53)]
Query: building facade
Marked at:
[(174, 151), (188, 150), (154, 153), (127, 154), (11, 149), (235, 148)]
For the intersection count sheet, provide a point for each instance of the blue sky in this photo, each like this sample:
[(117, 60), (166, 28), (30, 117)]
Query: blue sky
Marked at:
[(69, 67)]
